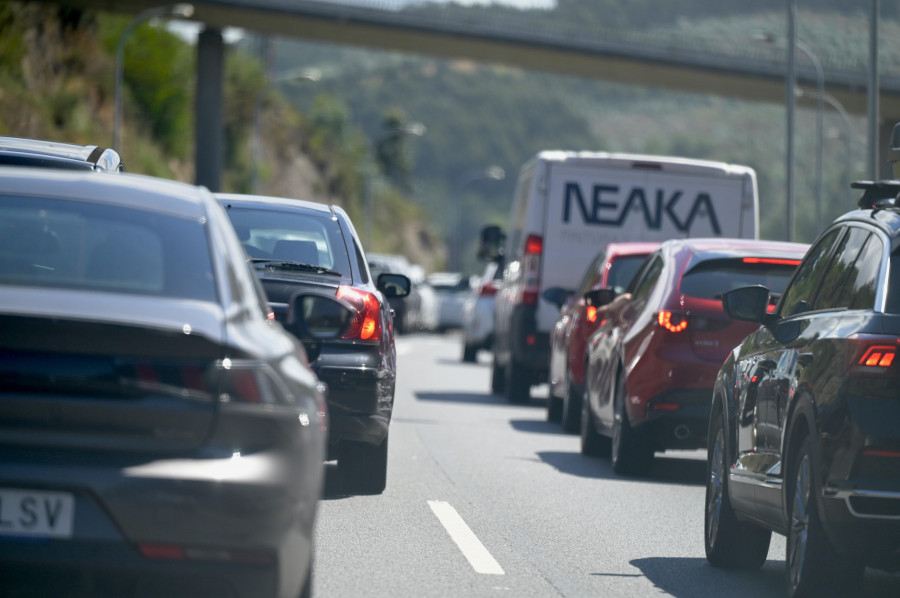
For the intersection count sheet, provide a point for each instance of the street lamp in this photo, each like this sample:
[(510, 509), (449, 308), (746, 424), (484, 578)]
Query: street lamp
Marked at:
[(182, 11), (492, 173), (302, 75)]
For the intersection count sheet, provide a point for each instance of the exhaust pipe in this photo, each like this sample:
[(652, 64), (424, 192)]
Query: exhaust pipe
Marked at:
[(682, 432)]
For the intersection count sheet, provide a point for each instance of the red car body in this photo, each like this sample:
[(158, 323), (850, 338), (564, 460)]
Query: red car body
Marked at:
[(652, 365), (614, 267)]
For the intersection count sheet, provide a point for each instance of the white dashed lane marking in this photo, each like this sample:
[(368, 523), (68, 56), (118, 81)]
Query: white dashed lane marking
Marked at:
[(468, 543)]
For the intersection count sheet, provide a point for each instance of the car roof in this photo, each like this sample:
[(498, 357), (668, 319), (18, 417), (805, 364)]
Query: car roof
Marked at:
[(241, 200), (631, 248), (726, 246), (37, 152), (127, 190)]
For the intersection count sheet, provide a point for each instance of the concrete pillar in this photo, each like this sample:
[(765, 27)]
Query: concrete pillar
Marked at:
[(210, 109)]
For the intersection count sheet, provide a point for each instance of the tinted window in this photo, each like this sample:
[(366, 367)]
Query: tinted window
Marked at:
[(801, 294), (592, 275), (292, 236), (863, 279), (834, 292), (649, 274), (81, 245), (710, 278), (622, 270)]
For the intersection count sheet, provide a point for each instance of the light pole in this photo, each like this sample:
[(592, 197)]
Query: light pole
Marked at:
[(181, 10), (304, 74), (493, 173)]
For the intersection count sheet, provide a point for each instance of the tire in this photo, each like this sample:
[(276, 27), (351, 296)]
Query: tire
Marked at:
[(593, 444), (730, 544), (498, 378), (554, 408), (632, 453), (518, 385), (813, 567), (470, 354), (571, 409), (363, 466)]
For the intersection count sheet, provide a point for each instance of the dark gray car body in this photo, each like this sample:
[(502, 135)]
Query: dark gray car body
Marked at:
[(132, 403)]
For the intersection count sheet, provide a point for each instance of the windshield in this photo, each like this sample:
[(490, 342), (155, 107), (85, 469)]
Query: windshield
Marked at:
[(292, 237), (82, 245)]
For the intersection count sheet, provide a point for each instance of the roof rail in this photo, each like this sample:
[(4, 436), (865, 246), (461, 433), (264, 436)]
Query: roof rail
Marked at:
[(878, 195)]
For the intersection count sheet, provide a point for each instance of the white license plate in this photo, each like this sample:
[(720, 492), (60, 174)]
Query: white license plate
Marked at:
[(36, 513)]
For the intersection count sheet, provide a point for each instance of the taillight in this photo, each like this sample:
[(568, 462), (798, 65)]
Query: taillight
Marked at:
[(671, 321), (250, 381), (591, 314), (878, 357), (367, 323), (531, 269), (770, 260), (488, 289)]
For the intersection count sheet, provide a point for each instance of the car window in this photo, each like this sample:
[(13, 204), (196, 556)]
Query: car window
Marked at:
[(863, 278), (592, 275), (892, 304), (622, 271), (49, 242), (294, 236), (710, 278), (833, 293), (648, 277), (801, 293)]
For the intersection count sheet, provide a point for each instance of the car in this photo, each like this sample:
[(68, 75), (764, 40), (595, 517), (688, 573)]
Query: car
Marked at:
[(160, 433), (18, 151), (804, 433), (613, 268), (303, 246), (451, 290), (652, 365), (478, 313)]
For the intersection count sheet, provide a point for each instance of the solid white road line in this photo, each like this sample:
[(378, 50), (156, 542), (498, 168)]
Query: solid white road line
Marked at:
[(471, 547)]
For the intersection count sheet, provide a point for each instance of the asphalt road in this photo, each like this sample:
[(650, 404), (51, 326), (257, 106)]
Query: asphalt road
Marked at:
[(489, 499)]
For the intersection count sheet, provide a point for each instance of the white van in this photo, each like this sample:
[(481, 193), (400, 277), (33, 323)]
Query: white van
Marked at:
[(568, 206)]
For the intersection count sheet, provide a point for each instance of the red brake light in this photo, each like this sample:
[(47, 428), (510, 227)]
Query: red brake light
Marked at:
[(367, 323), (878, 356), (771, 260), (591, 314), (488, 289), (534, 245), (672, 322)]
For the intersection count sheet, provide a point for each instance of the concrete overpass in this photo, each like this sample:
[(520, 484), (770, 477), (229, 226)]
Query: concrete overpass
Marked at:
[(681, 65)]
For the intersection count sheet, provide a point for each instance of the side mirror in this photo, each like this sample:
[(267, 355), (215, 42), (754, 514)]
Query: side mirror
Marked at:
[(318, 317), (748, 304), (393, 285), (557, 296), (490, 245), (600, 297)]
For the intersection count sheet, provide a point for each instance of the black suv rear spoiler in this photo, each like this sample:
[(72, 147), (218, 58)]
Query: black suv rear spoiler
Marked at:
[(878, 195)]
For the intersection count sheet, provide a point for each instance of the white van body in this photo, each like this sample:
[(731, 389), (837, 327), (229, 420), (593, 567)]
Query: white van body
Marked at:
[(577, 202)]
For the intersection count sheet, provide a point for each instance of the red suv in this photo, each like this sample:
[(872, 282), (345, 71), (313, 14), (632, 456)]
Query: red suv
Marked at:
[(613, 268), (652, 366)]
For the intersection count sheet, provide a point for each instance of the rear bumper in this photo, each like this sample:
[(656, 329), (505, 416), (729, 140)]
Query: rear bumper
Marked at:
[(360, 402), (678, 419), (864, 524)]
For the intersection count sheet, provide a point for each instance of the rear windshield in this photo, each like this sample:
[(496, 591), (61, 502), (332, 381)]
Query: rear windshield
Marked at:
[(49, 242), (292, 236), (622, 270), (710, 278)]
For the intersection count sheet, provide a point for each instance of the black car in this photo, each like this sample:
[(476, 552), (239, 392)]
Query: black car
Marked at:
[(160, 433), (17, 151), (804, 438), (301, 246)]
